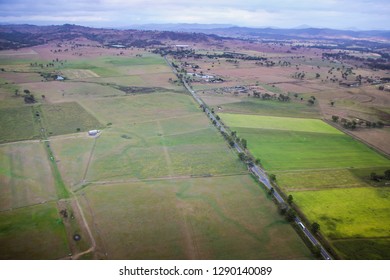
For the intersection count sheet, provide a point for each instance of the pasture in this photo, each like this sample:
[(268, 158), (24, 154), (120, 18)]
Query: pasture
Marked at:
[(25, 176), (199, 218), (64, 118), (18, 123), (34, 232), (154, 136)]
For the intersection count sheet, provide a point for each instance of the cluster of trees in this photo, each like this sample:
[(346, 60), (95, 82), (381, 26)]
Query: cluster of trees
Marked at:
[(311, 100), (355, 123), (377, 177), (28, 97)]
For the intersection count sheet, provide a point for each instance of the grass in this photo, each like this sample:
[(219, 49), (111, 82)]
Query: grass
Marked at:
[(319, 179), (124, 111), (278, 123), (34, 232), (271, 108), (18, 123), (25, 176), (64, 118), (363, 249), (137, 156), (294, 144), (191, 219), (73, 155), (348, 212), (288, 150)]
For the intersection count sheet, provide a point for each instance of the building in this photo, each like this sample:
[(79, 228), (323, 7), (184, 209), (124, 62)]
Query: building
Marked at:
[(93, 132)]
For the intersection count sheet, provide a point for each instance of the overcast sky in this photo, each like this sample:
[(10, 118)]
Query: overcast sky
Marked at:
[(360, 14)]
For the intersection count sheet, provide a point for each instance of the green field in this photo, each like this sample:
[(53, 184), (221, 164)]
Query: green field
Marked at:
[(203, 218), (25, 176), (278, 123), (271, 108), (64, 118), (363, 248), (34, 232), (327, 172), (348, 212), (159, 182), (18, 123), (157, 135), (288, 144)]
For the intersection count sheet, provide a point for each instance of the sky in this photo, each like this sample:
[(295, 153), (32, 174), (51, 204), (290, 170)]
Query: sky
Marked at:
[(340, 14)]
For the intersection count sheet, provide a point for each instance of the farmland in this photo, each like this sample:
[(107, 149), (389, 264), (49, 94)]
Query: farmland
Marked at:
[(158, 166), (159, 180), (189, 219), (327, 173), (294, 144)]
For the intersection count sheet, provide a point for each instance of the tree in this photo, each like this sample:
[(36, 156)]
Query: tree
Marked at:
[(317, 250), (290, 215), (335, 118), (387, 174), (315, 227), (290, 199), (282, 208), (29, 99), (310, 102), (26, 91), (317, 75), (257, 161), (243, 143), (242, 156), (272, 177), (271, 191), (373, 176)]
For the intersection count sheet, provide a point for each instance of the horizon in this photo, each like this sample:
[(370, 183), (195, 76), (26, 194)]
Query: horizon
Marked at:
[(346, 15), (205, 26)]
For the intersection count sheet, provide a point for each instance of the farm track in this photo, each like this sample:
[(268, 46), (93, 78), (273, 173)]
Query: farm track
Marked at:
[(165, 150), (89, 159), (135, 180)]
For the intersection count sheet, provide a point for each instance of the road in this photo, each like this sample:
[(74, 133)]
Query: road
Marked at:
[(255, 169)]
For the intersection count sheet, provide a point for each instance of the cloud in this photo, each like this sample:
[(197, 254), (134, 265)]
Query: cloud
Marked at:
[(367, 14)]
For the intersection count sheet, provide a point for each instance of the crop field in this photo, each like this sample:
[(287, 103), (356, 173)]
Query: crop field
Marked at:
[(34, 232), (25, 176), (159, 181), (271, 108), (327, 172), (348, 212), (279, 123), (64, 118), (190, 219), (18, 123), (296, 149)]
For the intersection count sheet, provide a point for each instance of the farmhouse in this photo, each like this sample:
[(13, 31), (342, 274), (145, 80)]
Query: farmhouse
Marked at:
[(60, 78)]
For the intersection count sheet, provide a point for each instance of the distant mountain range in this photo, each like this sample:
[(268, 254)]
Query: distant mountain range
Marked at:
[(304, 31), (24, 35)]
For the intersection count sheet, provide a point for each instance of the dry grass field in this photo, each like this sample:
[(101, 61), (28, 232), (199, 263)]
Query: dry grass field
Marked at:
[(189, 219)]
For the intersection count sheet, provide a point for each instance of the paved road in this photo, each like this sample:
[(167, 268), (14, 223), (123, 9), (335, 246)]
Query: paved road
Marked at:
[(255, 169)]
